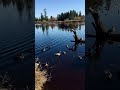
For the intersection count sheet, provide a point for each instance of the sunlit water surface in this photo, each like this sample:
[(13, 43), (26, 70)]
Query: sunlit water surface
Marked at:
[(67, 71)]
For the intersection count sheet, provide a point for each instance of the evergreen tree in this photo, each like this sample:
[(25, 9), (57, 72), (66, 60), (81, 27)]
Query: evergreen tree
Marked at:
[(42, 17), (36, 19), (68, 15), (79, 13), (51, 17), (45, 15)]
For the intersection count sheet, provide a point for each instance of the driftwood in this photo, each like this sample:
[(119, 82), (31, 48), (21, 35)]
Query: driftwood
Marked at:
[(77, 39), (103, 35), (101, 31)]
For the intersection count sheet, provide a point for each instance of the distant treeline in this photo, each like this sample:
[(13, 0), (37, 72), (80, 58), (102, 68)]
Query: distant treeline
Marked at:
[(70, 15), (66, 16)]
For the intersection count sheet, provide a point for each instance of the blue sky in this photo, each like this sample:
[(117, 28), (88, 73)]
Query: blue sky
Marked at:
[(55, 7)]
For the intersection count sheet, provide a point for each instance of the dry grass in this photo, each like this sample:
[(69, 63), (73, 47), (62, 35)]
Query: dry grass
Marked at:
[(40, 78)]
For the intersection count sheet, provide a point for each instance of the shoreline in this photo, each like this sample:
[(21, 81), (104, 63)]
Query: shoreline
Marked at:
[(59, 22)]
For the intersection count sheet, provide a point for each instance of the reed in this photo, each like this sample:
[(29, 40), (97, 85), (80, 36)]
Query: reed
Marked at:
[(40, 77)]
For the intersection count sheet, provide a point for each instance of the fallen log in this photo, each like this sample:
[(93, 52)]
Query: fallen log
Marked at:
[(101, 30)]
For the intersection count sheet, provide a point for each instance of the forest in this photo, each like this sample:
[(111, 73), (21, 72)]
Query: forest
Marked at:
[(64, 16)]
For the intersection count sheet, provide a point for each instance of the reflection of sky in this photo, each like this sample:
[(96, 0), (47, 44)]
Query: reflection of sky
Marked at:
[(58, 39), (39, 32), (55, 7)]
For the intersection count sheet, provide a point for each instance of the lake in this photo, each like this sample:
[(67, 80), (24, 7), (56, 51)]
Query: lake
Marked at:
[(17, 36), (67, 71), (105, 52)]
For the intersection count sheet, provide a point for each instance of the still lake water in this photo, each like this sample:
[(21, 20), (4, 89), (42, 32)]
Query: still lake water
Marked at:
[(67, 71), (17, 36), (106, 57)]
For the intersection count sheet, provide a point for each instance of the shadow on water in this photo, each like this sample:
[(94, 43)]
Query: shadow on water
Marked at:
[(102, 47), (17, 44), (62, 26), (63, 57)]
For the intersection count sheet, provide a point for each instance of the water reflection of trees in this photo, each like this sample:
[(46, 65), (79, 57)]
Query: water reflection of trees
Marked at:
[(44, 27), (62, 26), (68, 26), (20, 4)]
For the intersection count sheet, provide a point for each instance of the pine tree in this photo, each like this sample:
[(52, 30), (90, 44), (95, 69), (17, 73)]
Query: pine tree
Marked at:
[(42, 17), (80, 13), (51, 17)]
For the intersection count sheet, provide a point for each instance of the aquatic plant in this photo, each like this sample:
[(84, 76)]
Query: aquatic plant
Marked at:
[(41, 77)]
